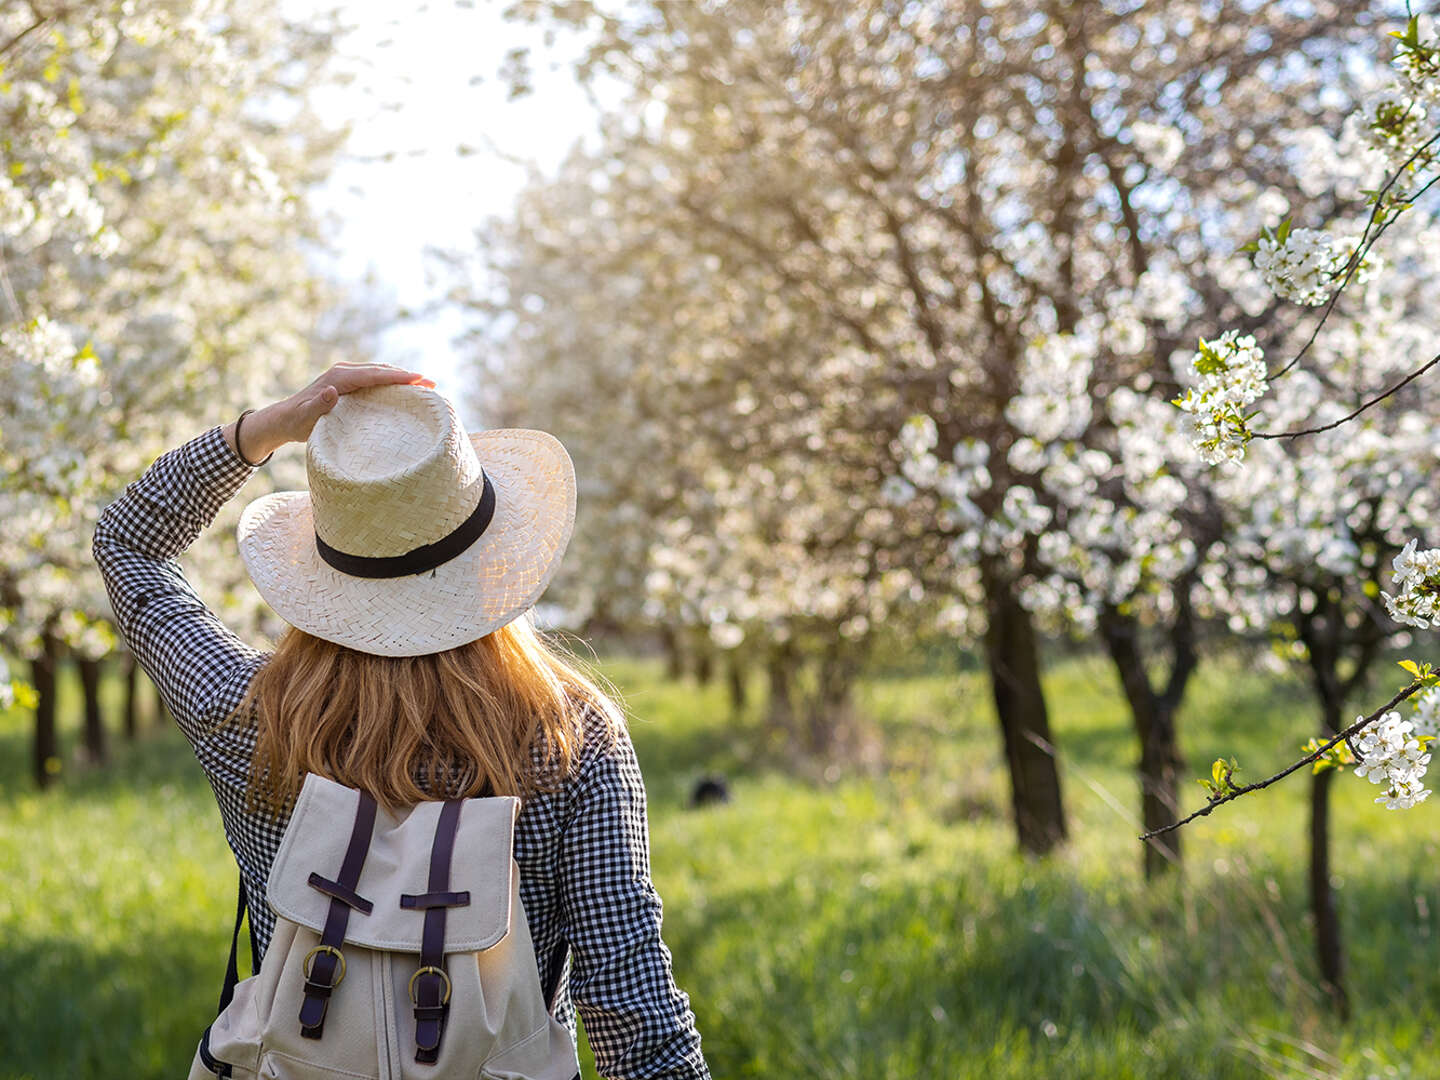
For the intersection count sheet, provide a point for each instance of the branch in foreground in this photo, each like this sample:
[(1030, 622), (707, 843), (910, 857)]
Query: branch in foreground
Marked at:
[(1353, 729), (1364, 244), (1351, 416)]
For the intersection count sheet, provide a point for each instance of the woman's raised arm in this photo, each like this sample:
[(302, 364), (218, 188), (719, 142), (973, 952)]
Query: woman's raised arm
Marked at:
[(200, 666)]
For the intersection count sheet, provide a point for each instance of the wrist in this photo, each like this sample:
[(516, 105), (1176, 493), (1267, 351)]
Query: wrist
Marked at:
[(254, 436)]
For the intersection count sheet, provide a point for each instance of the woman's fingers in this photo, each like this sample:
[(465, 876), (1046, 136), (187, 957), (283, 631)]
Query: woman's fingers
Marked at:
[(346, 377)]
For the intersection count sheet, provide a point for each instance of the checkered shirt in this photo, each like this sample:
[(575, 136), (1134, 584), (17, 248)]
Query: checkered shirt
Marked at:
[(583, 851)]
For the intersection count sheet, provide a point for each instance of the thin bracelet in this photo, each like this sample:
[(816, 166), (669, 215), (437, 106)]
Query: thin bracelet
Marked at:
[(240, 453)]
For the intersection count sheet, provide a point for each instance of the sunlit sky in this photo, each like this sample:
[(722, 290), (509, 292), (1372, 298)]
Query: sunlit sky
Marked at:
[(427, 82)]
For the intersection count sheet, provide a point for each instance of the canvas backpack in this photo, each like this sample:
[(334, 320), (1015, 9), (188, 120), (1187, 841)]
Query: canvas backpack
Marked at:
[(400, 952)]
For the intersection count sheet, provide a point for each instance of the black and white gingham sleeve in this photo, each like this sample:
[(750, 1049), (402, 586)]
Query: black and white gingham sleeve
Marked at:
[(638, 1021), (201, 668)]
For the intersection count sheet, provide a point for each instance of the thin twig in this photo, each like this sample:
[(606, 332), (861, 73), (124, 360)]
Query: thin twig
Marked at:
[(8, 290), (23, 34), (1099, 789), (1350, 416), (1359, 725), (1363, 246)]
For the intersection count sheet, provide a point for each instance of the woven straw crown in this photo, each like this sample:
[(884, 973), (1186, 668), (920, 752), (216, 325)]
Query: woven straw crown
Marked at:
[(392, 470), (379, 493)]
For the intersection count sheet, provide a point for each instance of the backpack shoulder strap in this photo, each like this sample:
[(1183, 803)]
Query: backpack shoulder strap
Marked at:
[(558, 955), (232, 978)]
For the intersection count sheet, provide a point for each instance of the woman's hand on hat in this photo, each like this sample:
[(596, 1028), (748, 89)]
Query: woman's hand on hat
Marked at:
[(292, 419)]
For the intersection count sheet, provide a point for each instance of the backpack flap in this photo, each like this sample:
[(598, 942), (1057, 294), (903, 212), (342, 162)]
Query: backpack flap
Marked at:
[(398, 862)]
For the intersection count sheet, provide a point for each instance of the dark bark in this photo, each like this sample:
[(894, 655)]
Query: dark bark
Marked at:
[(96, 748), (47, 745), (704, 654), (1161, 765), (674, 655), (132, 696), (780, 671), (1322, 630), (829, 720), (1329, 945), (1014, 664), (1153, 714), (735, 679)]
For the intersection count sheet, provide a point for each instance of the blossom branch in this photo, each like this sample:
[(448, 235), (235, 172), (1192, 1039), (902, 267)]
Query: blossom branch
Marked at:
[(1351, 416), (1363, 246), (23, 34), (41, 19), (1316, 755)]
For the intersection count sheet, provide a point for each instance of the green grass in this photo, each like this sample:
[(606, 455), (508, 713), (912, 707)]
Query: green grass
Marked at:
[(869, 927)]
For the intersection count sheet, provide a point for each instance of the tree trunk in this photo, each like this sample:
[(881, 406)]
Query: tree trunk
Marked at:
[(1161, 763), (1322, 629), (1014, 665), (47, 745), (780, 672), (95, 746), (829, 719), (1329, 945), (704, 662), (674, 656), (735, 672), (132, 696)]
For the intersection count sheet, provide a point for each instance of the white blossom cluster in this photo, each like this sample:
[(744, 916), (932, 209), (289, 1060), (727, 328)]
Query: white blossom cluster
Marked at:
[(1230, 373), (1305, 266), (1053, 402), (151, 265), (1395, 129), (1392, 755), (1395, 118), (1161, 144), (1426, 717), (1417, 581)]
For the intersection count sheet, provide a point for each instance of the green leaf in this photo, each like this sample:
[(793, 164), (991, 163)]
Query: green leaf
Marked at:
[(1411, 666), (25, 694)]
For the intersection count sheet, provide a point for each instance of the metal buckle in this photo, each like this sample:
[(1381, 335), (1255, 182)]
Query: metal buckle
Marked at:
[(429, 970), (306, 963)]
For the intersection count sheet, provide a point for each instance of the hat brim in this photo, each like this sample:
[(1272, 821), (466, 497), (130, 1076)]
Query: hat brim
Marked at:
[(497, 578)]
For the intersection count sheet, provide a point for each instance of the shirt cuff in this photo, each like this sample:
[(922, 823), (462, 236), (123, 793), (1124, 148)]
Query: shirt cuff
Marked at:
[(215, 468)]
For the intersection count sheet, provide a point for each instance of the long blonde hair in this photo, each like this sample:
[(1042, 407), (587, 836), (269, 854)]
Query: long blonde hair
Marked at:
[(506, 710)]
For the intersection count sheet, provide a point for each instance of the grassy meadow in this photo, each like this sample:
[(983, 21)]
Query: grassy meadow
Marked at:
[(874, 927)]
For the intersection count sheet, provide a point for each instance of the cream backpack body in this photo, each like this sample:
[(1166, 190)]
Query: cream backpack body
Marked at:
[(394, 957)]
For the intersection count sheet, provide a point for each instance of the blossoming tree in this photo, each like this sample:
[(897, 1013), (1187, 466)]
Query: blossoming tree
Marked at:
[(151, 266), (934, 187)]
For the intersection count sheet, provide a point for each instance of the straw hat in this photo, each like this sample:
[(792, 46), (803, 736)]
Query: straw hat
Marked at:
[(414, 537)]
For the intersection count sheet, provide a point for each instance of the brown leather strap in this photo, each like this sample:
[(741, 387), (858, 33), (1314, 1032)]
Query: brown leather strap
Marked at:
[(321, 982), (435, 899), (430, 988), (337, 891)]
